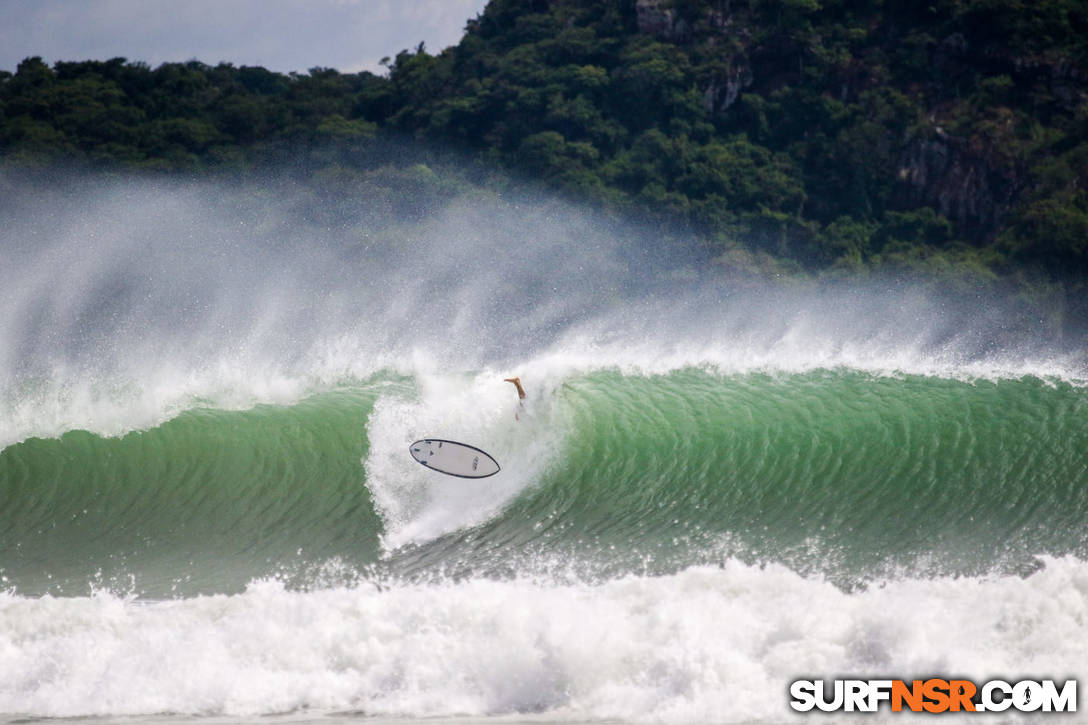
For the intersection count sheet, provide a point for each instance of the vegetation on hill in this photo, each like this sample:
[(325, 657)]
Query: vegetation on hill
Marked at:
[(947, 136)]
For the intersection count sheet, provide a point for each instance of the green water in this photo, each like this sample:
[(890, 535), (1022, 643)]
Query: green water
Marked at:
[(837, 472)]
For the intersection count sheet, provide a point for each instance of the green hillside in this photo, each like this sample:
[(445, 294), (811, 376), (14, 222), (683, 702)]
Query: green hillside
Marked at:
[(828, 135)]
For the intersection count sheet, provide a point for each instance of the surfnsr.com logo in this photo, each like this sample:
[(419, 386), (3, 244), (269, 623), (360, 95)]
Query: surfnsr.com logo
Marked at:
[(934, 695)]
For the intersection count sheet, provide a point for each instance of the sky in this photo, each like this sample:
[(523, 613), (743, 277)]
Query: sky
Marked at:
[(281, 35)]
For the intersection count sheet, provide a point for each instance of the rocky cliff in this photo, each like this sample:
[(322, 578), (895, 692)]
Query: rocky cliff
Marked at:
[(966, 162)]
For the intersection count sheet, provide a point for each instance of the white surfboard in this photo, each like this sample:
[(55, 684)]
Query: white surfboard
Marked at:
[(453, 458)]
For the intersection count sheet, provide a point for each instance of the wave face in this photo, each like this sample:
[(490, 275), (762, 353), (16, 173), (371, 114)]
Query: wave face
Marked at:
[(838, 473), (714, 487)]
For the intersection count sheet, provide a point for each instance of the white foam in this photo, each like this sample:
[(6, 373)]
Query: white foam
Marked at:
[(814, 335), (703, 645), (418, 504)]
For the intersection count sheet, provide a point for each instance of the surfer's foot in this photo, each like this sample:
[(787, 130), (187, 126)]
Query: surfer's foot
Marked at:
[(517, 384)]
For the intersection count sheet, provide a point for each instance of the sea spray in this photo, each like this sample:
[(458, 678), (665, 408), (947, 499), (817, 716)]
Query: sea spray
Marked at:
[(126, 303), (717, 483), (417, 504)]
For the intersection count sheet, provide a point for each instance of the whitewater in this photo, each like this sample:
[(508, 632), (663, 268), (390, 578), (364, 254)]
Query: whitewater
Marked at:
[(718, 484)]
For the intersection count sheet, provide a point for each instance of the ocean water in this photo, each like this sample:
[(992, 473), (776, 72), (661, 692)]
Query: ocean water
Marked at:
[(208, 513)]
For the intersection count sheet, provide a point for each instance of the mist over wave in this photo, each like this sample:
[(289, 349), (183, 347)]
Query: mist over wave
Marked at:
[(127, 302), (717, 483)]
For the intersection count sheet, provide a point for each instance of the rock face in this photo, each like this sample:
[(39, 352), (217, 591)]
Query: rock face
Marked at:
[(961, 186), (724, 92), (1065, 79), (971, 185), (654, 17)]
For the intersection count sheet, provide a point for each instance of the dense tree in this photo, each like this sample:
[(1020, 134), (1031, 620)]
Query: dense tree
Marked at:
[(834, 133)]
